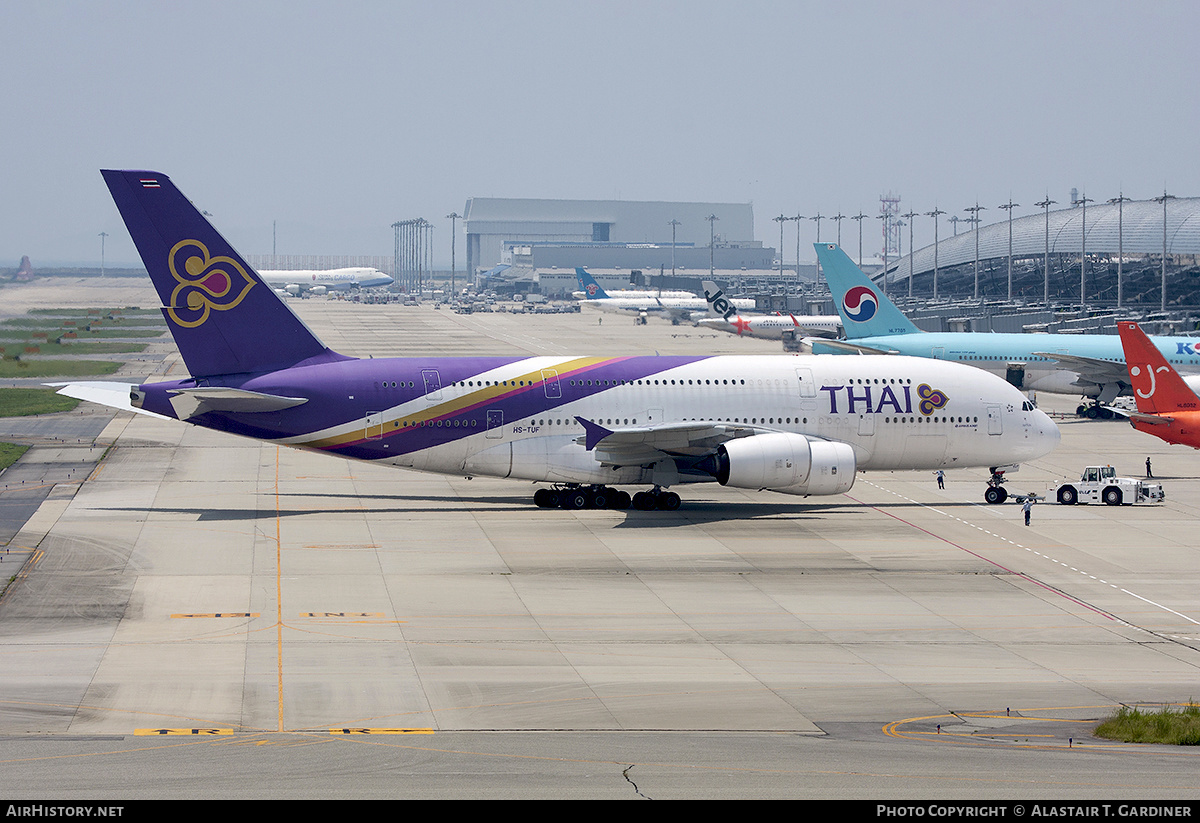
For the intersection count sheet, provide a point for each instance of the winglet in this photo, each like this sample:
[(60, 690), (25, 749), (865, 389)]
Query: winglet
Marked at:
[(864, 308), (1157, 387), (224, 319), (593, 432)]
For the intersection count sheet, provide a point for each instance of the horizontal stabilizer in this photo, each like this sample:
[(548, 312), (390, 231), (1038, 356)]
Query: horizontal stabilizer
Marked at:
[(1152, 419), (113, 395), (190, 403)]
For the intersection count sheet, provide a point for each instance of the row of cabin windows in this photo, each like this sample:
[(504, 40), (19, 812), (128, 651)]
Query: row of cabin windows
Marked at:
[(647, 382), (770, 421)]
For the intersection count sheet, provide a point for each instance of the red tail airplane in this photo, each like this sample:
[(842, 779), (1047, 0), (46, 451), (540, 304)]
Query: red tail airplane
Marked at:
[(1167, 408)]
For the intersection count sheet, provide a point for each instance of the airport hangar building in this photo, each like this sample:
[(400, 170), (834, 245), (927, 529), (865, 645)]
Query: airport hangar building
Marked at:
[(544, 240), (1132, 230)]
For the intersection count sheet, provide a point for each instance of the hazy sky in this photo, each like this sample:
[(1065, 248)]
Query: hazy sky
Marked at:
[(336, 120)]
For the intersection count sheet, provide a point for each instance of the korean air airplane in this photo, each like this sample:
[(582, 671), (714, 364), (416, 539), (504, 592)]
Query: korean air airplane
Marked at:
[(1091, 365), (726, 317), (580, 425)]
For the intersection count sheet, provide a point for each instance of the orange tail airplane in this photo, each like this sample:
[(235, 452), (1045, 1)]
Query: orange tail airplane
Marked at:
[(1167, 408)]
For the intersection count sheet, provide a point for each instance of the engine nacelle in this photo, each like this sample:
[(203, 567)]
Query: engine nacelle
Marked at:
[(318, 290), (785, 462)]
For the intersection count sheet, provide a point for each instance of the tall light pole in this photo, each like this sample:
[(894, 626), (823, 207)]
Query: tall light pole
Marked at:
[(859, 218), (453, 237), (975, 219), (954, 221), (1008, 207), (910, 217), (1120, 201), (674, 224), (838, 218), (1083, 201), (1163, 299), (934, 214), (780, 220), (817, 218), (102, 235), (797, 218), (1046, 204), (712, 244), (886, 218)]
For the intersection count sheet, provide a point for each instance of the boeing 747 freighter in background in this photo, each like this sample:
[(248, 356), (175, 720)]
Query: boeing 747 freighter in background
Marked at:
[(322, 281), (582, 425)]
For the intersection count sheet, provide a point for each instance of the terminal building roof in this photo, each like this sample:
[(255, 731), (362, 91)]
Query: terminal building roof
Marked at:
[(1136, 227)]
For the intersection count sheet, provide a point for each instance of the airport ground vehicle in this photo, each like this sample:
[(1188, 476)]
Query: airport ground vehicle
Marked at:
[(1100, 484)]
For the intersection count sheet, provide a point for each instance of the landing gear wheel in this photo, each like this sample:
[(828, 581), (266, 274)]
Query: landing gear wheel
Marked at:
[(995, 495), (644, 501), (620, 501), (668, 501), (575, 499)]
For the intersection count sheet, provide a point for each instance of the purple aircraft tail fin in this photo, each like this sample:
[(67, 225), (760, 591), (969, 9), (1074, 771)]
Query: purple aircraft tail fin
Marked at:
[(224, 319)]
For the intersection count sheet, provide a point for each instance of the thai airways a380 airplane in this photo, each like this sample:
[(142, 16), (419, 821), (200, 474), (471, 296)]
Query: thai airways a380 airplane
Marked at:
[(794, 424)]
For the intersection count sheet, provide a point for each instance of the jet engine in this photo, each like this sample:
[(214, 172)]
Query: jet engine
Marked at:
[(784, 462)]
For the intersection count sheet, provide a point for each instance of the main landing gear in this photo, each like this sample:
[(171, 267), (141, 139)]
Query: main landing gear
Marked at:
[(1094, 411), (602, 497), (995, 493)]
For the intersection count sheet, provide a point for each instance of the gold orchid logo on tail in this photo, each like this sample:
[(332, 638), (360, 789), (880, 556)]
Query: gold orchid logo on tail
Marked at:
[(206, 283)]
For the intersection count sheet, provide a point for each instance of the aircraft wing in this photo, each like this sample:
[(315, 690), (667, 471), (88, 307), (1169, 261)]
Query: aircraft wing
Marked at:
[(852, 347), (636, 445), (1090, 369), (825, 335)]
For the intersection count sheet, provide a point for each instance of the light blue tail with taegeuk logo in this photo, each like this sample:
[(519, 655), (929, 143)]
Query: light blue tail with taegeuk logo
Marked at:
[(862, 305), (224, 318)]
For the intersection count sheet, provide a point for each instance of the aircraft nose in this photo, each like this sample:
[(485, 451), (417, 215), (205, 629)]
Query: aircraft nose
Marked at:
[(1047, 429)]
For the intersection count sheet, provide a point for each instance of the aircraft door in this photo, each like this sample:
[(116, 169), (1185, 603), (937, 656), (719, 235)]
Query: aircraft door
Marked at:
[(808, 386), (374, 425), (550, 384), (433, 384), (495, 424), (866, 424), (995, 425), (1016, 374), (938, 353)]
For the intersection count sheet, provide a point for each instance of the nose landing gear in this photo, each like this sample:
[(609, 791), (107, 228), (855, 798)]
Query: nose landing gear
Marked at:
[(995, 493)]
